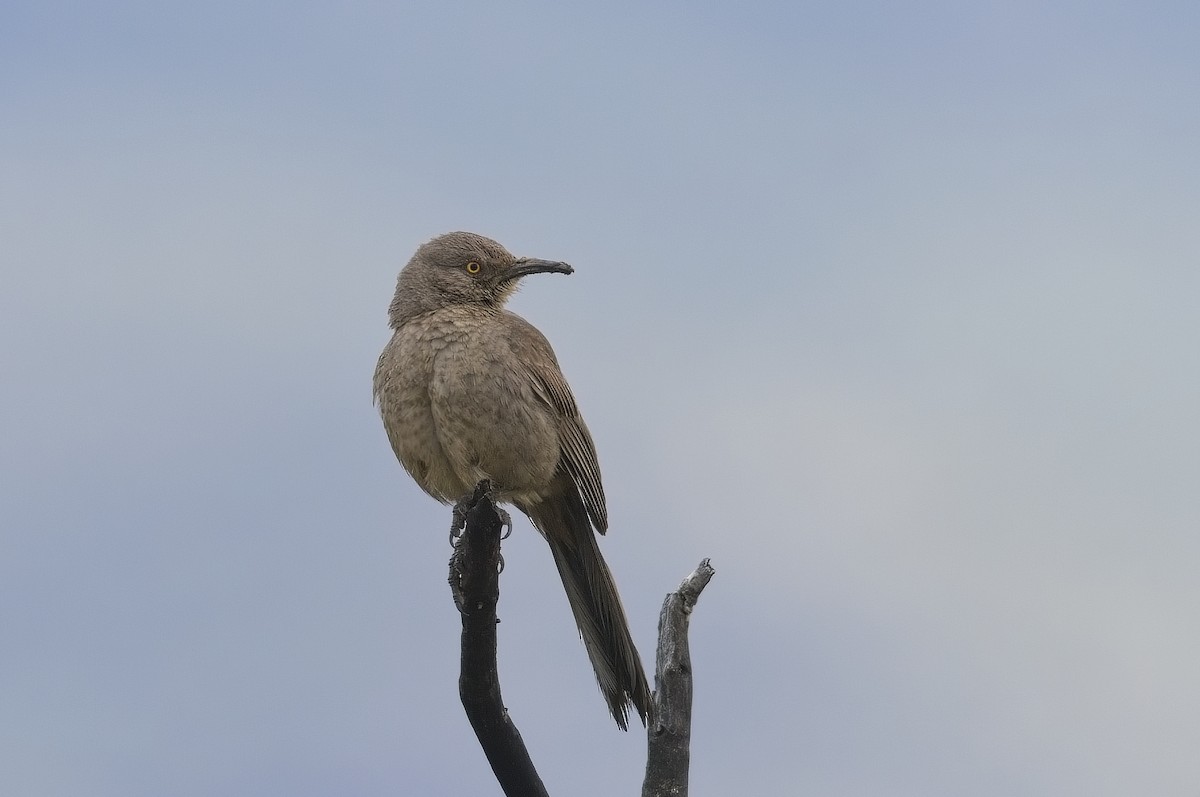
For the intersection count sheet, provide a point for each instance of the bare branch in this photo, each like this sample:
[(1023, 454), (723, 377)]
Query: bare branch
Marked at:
[(669, 735), (475, 583)]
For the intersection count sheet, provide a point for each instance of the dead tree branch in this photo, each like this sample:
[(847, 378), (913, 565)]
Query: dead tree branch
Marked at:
[(669, 735), (475, 582)]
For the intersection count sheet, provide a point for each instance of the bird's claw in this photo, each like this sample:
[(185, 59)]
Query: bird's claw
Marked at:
[(458, 521), (464, 505)]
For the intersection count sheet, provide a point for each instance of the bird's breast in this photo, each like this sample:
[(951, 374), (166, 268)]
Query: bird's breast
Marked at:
[(460, 406)]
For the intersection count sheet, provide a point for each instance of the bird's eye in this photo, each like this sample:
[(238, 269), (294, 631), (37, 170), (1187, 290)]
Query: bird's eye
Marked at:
[(473, 267)]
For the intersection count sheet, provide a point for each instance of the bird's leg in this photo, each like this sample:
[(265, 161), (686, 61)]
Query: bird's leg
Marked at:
[(506, 521)]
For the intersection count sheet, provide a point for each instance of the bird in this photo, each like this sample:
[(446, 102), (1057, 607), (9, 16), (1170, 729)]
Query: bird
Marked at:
[(467, 391)]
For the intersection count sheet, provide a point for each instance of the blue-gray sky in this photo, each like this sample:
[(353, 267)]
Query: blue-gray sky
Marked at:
[(890, 309)]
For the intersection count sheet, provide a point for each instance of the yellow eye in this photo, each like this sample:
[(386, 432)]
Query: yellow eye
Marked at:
[(472, 267)]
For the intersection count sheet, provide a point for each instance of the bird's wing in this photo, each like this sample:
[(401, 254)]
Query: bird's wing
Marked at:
[(578, 450)]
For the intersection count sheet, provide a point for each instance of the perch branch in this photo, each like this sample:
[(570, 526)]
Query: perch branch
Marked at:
[(475, 583)]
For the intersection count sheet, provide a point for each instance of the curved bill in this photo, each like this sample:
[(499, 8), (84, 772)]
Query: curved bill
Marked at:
[(532, 265)]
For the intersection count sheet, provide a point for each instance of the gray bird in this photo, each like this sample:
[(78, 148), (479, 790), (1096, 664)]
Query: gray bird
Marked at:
[(470, 391)]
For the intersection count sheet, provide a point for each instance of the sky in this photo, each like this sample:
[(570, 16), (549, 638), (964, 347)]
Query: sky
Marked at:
[(888, 309)]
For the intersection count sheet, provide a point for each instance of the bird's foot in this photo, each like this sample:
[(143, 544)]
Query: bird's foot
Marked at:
[(458, 519), (464, 505)]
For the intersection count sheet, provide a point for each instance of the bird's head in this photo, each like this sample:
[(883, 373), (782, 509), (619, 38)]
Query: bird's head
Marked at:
[(461, 268)]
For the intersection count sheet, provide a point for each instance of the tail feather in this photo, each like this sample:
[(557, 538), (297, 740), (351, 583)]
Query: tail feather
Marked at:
[(595, 603)]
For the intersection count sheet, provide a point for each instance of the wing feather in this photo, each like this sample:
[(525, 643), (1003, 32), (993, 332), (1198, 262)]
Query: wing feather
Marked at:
[(578, 451)]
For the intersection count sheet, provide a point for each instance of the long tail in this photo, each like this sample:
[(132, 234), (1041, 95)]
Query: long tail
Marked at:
[(595, 603)]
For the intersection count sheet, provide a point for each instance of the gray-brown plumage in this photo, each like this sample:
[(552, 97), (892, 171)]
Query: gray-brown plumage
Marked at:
[(470, 391)]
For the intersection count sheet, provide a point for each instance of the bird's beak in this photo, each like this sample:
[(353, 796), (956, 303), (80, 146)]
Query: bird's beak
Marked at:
[(531, 265)]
